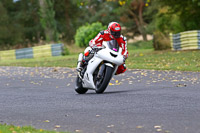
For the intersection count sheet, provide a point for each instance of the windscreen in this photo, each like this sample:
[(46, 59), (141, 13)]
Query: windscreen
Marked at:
[(113, 44)]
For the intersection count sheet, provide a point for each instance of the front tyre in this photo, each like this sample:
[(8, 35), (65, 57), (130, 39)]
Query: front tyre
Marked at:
[(79, 87), (102, 83)]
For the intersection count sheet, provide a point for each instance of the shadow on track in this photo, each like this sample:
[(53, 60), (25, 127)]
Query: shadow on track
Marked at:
[(109, 92)]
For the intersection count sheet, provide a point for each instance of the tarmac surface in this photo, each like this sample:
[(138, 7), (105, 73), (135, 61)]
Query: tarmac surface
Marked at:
[(139, 101)]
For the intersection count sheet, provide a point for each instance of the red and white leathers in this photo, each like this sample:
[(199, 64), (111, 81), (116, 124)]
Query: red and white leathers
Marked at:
[(106, 36)]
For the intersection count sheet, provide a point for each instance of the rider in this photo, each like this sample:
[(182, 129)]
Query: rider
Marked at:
[(112, 33)]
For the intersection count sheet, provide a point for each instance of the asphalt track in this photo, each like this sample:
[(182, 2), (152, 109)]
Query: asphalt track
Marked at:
[(139, 101)]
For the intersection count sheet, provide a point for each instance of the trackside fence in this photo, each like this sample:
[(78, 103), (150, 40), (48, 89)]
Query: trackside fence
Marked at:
[(185, 40), (33, 52)]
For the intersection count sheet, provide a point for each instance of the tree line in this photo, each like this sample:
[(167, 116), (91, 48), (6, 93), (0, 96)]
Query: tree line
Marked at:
[(27, 22)]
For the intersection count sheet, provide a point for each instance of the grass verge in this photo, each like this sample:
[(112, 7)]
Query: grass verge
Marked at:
[(17, 129), (141, 56), (60, 61), (165, 60)]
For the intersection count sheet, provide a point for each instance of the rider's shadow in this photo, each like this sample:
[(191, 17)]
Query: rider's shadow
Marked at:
[(109, 92)]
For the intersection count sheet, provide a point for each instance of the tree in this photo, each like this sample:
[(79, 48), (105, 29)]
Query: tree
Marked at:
[(4, 20), (47, 19), (99, 10), (10, 30), (181, 15), (27, 15), (67, 13), (23, 23), (133, 13)]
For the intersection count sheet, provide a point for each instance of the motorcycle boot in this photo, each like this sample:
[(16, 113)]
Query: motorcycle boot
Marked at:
[(83, 59), (80, 63)]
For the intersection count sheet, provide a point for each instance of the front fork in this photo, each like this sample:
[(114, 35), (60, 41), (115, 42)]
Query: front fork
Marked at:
[(100, 73)]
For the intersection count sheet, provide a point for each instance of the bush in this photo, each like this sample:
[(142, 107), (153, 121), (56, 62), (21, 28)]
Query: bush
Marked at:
[(87, 32), (161, 41), (65, 51)]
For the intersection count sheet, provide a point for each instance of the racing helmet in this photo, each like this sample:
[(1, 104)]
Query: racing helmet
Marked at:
[(115, 29)]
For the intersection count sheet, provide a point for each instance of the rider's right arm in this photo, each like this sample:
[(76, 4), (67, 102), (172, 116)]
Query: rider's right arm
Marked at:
[(97, 41)]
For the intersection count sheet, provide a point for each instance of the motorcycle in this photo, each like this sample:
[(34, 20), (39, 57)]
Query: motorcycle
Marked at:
[(99, 70)]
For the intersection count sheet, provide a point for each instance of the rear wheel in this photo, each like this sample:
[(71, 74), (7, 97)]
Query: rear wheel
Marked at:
[(79, 87), (103, 81)]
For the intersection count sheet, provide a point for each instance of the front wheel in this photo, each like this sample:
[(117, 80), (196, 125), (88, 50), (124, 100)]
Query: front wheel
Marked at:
[(102, 83), (79, 87)]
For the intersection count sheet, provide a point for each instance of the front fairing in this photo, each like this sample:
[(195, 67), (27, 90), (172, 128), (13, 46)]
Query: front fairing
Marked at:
[(111, 56), (111, 52)]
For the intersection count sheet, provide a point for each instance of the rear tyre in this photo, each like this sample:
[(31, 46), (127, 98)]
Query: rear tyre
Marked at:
[(102, 83), (79, 87)]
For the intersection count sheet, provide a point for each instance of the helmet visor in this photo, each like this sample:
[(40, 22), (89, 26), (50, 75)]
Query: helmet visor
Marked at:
[(115, 34)]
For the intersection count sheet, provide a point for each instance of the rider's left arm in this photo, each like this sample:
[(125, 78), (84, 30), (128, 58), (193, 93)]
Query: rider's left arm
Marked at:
[(124, 47)]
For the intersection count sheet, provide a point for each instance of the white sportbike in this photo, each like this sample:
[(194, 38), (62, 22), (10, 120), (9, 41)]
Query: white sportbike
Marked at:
[(99, 70)]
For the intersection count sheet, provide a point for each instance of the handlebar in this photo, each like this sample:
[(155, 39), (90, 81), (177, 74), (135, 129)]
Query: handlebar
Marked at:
[(96, 49)]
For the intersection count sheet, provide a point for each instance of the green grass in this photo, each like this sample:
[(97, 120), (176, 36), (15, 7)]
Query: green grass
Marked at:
[(141, 56), (60, 61), (165, 60), (144, 57), (140, 45), (17, 129)]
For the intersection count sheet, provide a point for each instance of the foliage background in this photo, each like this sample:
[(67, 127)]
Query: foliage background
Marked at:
[(24, 23), (85, 33)]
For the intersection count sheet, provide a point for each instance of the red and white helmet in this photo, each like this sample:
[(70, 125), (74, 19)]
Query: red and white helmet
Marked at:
[(115, 29)]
